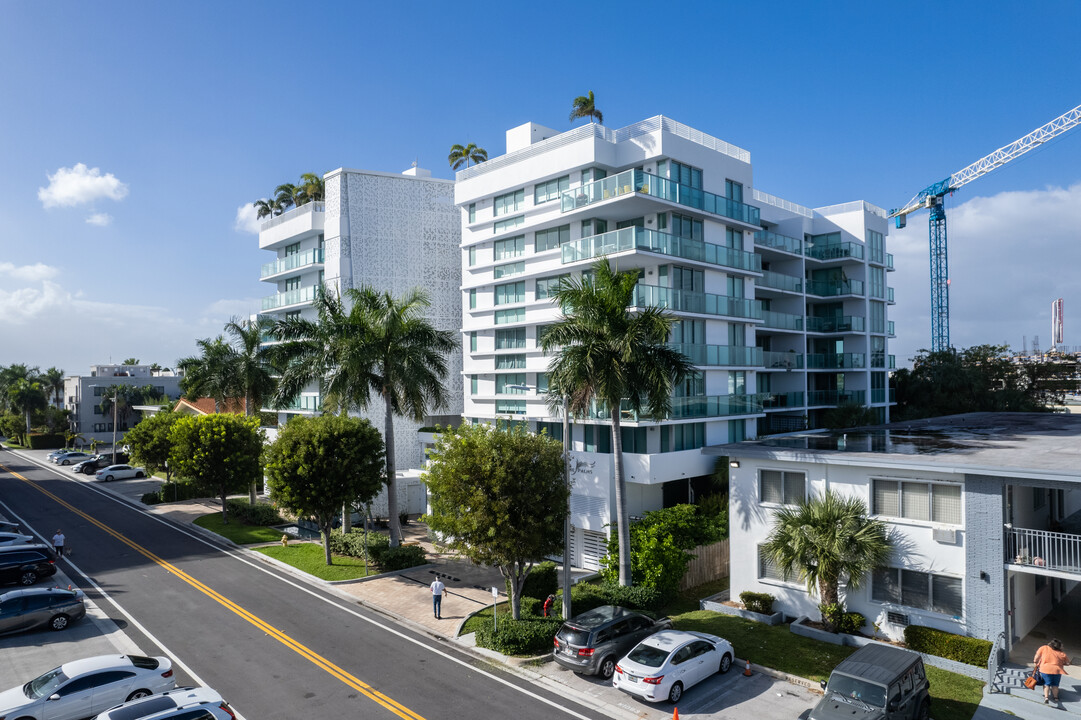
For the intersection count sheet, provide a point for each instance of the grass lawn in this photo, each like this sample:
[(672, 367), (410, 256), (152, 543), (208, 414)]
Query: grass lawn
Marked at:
[(484, 617), (953, 696), (238, 532), (309, 557)]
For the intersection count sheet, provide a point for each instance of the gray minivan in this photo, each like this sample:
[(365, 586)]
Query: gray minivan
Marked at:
[(877, 682), (592, 642)]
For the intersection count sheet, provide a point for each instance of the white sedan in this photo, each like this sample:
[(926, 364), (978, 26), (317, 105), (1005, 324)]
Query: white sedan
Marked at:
[(12, 538), (665, 664), (119, 472), (83, 688), (70, 458)]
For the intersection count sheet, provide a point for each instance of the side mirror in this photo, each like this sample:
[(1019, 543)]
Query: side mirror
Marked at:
[(54, 696), (892, 706), (822, 684)]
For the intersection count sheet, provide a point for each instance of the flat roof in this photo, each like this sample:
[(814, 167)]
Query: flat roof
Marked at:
[(1033, 445)]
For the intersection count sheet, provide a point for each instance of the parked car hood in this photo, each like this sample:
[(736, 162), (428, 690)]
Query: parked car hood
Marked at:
[(14, 700), (837, 707)]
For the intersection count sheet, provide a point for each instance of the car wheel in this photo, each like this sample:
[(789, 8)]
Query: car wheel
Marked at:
[(65, 463), (607, 668), (59, 622), (726, 663), (925, 711), (28, 578), (138, 694), (108, 478), (675, 693), (139, 475)]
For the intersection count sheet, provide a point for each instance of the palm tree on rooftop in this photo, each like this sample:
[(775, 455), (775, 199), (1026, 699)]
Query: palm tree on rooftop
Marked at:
[(584, 106), (312, 187), (287, 195), (266, 207), (464, 154)]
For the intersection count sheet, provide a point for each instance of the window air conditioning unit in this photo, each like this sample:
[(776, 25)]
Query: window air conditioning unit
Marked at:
[(897, 618), (945, 535)]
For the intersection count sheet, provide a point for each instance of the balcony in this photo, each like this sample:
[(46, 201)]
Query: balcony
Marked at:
[(889, 329), (775, 401), (826, 288), (780, 281), (683, 408), (630, 182), (835, 397), (695, 302), (889, 296), (836, 361), (291, 297), (781, 321), (782, 360), (893, 362), (833, 250), (295, 224), (842, 324), (1043, 552), (636, 238), (765, 238), (889, 263), (720, 355), (292, 262), (304, 404)]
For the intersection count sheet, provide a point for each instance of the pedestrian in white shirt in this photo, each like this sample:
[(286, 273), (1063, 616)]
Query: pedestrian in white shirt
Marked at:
[(437, 597)]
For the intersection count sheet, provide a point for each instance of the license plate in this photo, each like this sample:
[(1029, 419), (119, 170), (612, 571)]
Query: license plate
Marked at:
[(632, 678)]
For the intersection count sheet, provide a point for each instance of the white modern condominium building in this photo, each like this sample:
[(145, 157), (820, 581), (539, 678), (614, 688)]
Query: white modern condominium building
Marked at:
[(782, 309), (394, 232)]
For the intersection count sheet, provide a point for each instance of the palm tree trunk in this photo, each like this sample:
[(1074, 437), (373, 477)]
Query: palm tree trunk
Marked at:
[(253, 486), (347, 507), (392, 489), (622, 521)]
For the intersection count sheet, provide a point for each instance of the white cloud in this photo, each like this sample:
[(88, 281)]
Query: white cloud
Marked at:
[(246, 220), (28, 273), (79, 185), (99, 219)]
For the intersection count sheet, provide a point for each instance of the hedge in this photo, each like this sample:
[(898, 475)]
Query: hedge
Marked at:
[(258, 514), (531, 636), (761, 603), (173, 491), (542, 581), (44, 441), (352, 544), (971, 651), (586, 596), (401, 557)]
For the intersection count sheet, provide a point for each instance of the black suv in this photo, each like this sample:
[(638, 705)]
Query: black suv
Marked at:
[(26, 564), (592, 643), (877, 682)]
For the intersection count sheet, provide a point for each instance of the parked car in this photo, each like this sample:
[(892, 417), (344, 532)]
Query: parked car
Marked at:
[(119, 472), (26, 564), (876, 682), (31, 608), (14, 538), (57, 453), (592, 642), (91, 466), (69, 458), (83, 688), (7, 526), (665, 664), (187, 703)]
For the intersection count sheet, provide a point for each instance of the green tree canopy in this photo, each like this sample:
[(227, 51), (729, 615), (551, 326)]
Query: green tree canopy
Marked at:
[(130, 361), (221, 453), (499, 496), (318, 464), (52, 380), (585, 106), (150, 442), (26, 397), (465, 154)]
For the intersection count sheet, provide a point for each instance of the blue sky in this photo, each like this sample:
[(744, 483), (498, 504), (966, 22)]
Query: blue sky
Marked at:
[(189, 111)]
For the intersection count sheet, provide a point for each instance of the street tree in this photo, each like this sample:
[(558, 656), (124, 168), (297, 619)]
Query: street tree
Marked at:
[(499, 496), (318, 464), (52, 380), (222, 454), (26, 397), (150, 442), (825, 540), (10, 375)]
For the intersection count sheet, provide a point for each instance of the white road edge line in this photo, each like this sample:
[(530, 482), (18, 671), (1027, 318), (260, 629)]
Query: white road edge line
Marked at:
[(309, 591)]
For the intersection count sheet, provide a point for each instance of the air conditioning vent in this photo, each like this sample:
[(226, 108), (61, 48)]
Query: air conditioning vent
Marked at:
[(945, 535), (897, 618)]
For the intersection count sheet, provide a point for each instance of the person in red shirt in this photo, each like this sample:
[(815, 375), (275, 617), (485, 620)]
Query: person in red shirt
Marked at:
[(1051, 661)]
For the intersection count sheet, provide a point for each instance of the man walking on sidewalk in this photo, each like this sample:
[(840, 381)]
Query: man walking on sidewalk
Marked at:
[(437, 597), (58, 543)]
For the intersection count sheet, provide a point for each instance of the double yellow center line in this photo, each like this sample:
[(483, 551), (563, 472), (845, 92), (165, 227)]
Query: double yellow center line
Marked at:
[(300, 649)]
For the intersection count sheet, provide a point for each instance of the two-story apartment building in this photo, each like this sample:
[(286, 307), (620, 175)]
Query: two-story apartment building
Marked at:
[(83, 395)]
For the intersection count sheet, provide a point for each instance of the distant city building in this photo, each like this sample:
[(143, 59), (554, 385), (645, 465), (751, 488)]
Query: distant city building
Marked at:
[(83, 396)]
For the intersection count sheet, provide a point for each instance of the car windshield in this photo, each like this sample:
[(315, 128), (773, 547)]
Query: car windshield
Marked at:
[(45, 685), (857, 689), (648, 655)]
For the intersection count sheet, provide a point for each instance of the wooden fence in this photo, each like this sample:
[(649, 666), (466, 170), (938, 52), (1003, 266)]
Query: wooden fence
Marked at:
[(711, 563)]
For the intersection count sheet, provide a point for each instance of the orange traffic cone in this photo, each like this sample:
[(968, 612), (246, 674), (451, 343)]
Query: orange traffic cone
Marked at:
[(675, 713), (747, 670)]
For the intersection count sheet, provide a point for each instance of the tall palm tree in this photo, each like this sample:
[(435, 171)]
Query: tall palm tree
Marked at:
[(267, 207), (312, 187), (53, 382), (252, 369), (288, 195), (10, 375), (584, 106), (605, 352), (464, 154), (824, 540), (211, 373)]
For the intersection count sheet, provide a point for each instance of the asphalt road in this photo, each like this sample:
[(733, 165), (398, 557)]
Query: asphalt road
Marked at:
[(275, 647)]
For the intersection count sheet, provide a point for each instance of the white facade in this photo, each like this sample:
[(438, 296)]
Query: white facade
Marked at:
[(83, 396), (771, 298), (394, 232)]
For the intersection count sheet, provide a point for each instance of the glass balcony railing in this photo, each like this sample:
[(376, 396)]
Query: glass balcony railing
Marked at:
[(841, 324), (833, 250), (695, 302), (292, 262), (878, 359), (782, 360), (779, 281), (291, 297), (879, 395), (717, 405), (893, 362), (636, 238), (836, 361), (721, 355), (835, 397), (889, 329), (889, 295), (629, 182), (304, 403), (774, 401), (826, 288), (781, 321), (777, 241)]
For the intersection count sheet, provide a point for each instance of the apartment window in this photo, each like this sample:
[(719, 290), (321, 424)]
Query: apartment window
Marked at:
[(877, 244), (781, 488), (545, 191), (594, 226), (510, 362), (98, 391), (597, 438), (473, 299), (509, 269), (917, 501), (511, 247), (915, 589), (686, 227), (472, 256), (293, 315), (503, 384), (293, 249), (878, 351), (737, 382), (737, 430), (474, 385), (682, 174), (878, 317), (688, 436), (510, 407), (733, 190), (508, 203), (633, 439), (591, 174), (513, 339), (1039, 498), (553, 429), (98, 410), (510, 293), (292, 284), (878, 281), (733, 238), (552, 238), (472, 212), (767, 569), (503, 317), (546, 287), (502, 226), (542, 383), (472, 340)]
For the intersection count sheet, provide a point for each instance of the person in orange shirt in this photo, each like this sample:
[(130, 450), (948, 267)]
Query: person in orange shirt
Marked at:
[(1051, 662)]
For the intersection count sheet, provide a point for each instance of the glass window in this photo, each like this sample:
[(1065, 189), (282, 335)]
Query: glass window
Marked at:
[(509, 202), (503, 384), (546, 287), (516, 268), (683, 174), (501, 226), (510, 362), (733, 238), (767, 569), (542, 382), (474, 385), (876, 241), (737, 431), (511, 247), (510, 407), (878, 282), (513, 339), (473, 341), (781, 488), (551, 238), (503, 317), (594, 226), (733, 190), (938, 503), (510, 293), (886, 500), (293, 249), (472, 212), (878, 317), (946, 504), (1039, 498), (946, 595), (884, 586), (473, 299), (472, 256), (916, 589), (915, 501), (550, 190), (591, 174)]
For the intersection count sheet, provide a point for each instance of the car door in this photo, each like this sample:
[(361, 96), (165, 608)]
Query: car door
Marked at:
[(11, 564), (112, 688), (72, 700), (701, 664), (13, 615), (681, 664)]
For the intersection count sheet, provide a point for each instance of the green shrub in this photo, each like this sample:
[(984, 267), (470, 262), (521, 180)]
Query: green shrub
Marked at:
[(541, 582), (971, 651), (402, 557), (757, 602), (586, 596), (258, 514), (151, 498), (851, 623), (174, 491), (531, 606), (352, 544), (532, 636), (44, 441)]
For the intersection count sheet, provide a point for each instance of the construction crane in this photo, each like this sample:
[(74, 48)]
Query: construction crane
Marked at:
[(932, 198)]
